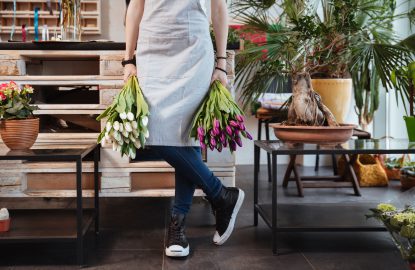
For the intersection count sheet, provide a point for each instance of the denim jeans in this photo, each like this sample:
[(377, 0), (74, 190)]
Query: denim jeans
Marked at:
[(191, 172)]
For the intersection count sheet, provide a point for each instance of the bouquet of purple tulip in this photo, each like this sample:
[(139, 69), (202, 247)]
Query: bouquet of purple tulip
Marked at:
[(219, 122)]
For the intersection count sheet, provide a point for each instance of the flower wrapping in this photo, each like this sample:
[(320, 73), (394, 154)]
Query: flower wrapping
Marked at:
[(127, 119), (219, 122)]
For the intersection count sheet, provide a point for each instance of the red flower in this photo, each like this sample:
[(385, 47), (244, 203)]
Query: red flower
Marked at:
[(2, 96)]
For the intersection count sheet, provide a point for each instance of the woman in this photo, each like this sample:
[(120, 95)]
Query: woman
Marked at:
[(175, 63)]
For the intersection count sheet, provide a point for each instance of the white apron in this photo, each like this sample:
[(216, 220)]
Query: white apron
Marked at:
[(175, 61)]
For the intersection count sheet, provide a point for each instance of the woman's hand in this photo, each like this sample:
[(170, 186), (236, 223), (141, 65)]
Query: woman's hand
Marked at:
[(220, 76), (129, 70)]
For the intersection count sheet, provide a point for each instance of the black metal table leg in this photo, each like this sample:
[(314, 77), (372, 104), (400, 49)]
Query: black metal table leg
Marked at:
[(274, 204), (317, 164), (256, 175), (96, 190), (259, 137), (334, 162), (79, 239), (268, 154)]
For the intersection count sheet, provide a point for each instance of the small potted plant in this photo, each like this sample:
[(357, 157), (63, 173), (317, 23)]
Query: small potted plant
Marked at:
[(19, 128), (408, 177), (401, 225), (4, 220)]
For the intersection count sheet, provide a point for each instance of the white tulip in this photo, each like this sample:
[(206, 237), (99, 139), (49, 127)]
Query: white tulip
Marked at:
[(114, 146), (127, 141), (117, 135), (137, 144), (128, 127), (147, 134), (116, 125), (130, 116), (135, 133), (131, 137), (125, 133), (134, 124), (123, 115), (119, 148), (121, 127), (144, 120), (108, 127)]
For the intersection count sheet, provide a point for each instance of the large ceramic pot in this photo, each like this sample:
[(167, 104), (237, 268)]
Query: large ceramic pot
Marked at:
[(19, 134), (412, 265), (336, 94)]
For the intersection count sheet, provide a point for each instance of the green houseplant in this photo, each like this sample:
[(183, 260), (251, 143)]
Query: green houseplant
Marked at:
[(343, 41), (19, 127), (404, 81), (401, 225)]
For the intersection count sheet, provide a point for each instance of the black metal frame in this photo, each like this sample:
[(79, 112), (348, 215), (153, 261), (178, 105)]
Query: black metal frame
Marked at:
[(77, 158), (259, 209)]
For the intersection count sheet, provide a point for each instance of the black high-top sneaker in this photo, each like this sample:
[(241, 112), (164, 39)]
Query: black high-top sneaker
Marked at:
[(226, 208), (177, 245)]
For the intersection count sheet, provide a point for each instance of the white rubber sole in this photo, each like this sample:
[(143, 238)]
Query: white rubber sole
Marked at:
[(220, 240), (177, 251)]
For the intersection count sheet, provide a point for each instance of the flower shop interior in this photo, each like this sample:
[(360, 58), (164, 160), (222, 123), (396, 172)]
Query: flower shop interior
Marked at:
[(316, 125)]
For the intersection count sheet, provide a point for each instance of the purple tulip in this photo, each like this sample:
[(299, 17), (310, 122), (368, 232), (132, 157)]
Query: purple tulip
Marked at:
[(236, 132), (249, 136), (239, 117), (232, 145), (225, 144), (233, 123), (222, 137), (212, 141), (229, 130), (201, 137), (203, 145), (216, 123), (211, 147), (238, 141), (212, 133), (241, 126), (216, 130), (219, 148), (200, 131)]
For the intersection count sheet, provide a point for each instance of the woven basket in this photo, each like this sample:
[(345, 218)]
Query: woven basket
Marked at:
[(370, 172), (19, 134)]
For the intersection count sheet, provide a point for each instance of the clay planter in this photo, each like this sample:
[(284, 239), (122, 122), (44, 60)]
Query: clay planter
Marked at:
[(313, 134), (19, 134), (336, 94), (407, 181), (412, 265), (4, 225)]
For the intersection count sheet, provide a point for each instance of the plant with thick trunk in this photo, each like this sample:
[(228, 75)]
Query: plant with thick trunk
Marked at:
[(349, 37)]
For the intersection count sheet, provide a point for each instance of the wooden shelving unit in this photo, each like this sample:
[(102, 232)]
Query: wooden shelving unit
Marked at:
[(90, 16), (97, 76)]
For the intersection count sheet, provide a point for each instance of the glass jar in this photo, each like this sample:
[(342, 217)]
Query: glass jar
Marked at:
[(70, 20)]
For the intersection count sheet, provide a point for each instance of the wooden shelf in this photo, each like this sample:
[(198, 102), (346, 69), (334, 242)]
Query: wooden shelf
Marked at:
[(45, 225), (90, 16), (78, 80)]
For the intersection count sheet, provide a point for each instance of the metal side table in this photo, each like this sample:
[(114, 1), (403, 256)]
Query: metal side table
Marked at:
[(44, 225), (316, 217)]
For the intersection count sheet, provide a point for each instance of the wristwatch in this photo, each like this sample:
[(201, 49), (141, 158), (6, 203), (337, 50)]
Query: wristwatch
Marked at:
[(129, 61)]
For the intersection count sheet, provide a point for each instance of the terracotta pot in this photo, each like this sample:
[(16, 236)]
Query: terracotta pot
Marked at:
[(412, 265), (19, 134), (5, 225), (336, 94), (313, 134)]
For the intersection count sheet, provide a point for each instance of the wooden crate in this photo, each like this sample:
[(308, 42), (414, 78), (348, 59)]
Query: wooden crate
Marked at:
[(119, 176), (90, 16)]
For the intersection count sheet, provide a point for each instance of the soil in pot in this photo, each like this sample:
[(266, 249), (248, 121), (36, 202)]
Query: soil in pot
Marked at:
[(19, 134)]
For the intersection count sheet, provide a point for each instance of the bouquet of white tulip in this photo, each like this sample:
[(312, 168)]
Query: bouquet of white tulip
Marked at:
[(127, 120)]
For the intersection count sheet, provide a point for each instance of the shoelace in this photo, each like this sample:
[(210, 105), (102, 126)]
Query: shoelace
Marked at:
[(175, 235)]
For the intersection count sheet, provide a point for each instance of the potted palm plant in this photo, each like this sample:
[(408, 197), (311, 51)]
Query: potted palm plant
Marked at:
[(19, 128), (343, 41)]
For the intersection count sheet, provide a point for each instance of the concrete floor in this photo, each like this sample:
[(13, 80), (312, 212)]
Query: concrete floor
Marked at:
[(133, 233)]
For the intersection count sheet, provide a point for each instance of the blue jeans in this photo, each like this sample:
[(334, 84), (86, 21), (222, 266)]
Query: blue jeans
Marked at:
[(191, 172)]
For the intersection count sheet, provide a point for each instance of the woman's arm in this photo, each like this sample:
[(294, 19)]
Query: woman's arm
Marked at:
[(132, 23), (219, 13)]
